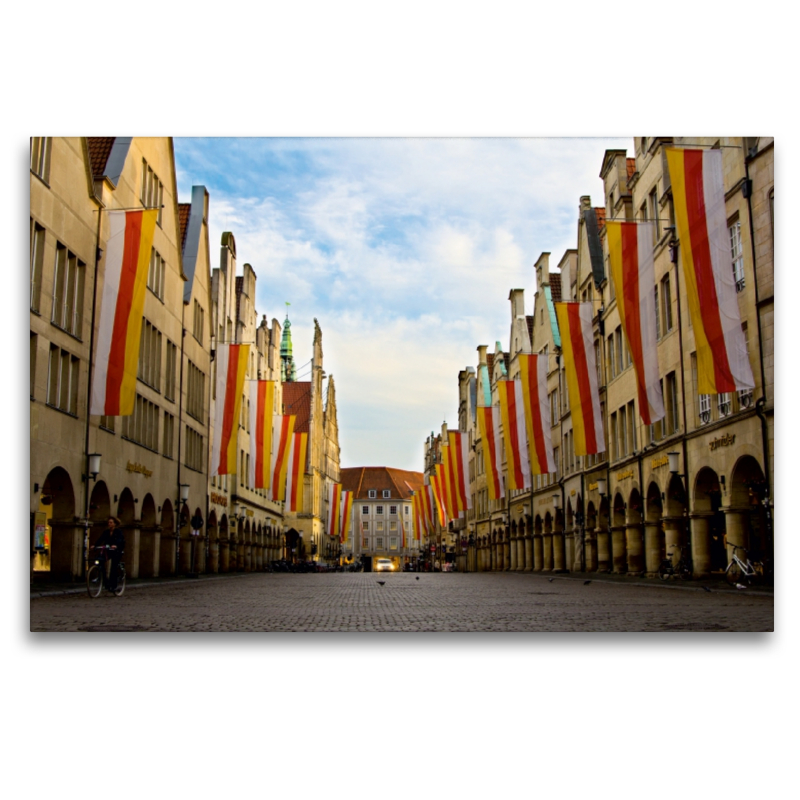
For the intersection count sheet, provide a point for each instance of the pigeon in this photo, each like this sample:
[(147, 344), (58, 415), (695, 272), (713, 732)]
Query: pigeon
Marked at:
[(417, 577), (381, 582), (706, 589), (586, 583), (551, 579)]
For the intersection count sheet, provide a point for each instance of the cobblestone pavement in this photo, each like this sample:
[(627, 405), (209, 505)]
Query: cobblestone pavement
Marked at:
[(435, 602)]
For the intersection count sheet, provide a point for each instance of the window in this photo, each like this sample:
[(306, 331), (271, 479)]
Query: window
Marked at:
[(198, 323), (194, 450), (37, 262), (169, 435), (671, 401), (379, 509), (195, 391), (405, 510), (107, 423), (666, 304), (704, 402), (658, 313), (614, 439), (150, 356), (393, 543), (631, 437), (393, 525), (612, 364), (737, 255), (379, 525), (142, 426), (365, 526), (373, 493), (554, 407), (597, 359), (34, 345), (155, 275), (618, 343), (365, 543), (393, 511), (68, 283), (40, 156), (365, 509), (724, 404), (62, 380), (387, 493), (653, 200), (745, 397), (379, 543), (172, 359), (152, 193)]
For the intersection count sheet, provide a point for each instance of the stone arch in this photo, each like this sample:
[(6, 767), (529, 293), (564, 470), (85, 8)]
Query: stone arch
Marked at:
[(149, 538), (634, 515), (63, 539), (748, 492), (619, 550), (99, 510), (148, 517), (166, 555), (212, 536), (709, 541), (126, 509)]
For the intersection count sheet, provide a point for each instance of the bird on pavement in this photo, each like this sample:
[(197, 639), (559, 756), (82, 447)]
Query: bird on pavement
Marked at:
[(586, 583), (381, 582), (417, 577), (550, 580), (706, 589)]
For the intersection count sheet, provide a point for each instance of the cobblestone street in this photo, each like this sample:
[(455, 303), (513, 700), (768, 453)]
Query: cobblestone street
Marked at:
[(406, 602)]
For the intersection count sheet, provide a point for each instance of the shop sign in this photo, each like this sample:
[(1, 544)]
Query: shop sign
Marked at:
[(659, 462), (592, 486), (626, 473), (249, 512), (572, 493), (219, 499), (139, 468), (723, 441)]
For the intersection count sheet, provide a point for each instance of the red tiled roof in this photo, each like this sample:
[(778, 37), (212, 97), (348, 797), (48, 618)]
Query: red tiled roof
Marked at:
[(99, 150), (600, 213), (297, 401), (184, 210), (490, 363), (555, 286), (399, 482), (630, 163)]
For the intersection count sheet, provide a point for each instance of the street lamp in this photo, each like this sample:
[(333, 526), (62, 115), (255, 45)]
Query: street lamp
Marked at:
[(183, 496), (92, 470), (602, 487)]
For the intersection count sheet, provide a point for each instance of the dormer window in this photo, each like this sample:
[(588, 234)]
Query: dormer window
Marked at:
[(387, 493), (372, 494)]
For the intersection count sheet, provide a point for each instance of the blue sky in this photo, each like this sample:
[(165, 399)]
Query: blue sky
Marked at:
[(404, 249)]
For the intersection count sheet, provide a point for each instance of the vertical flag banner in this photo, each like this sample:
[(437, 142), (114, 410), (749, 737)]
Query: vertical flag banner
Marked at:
[(426, 508), (416, 514), (231, 368), (698, 193), (282, 430), (347, 506), (459, 459), (512, 411), (262, 398), (575, 326), (489, 428), (402, 534), (116, 362), (334, 508), (437, 485), (295, 471), (448, 484), (533, 375), (630, 255)]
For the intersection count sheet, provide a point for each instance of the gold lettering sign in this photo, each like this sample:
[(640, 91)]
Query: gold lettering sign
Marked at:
[(627, 473), (139, 468), (592, 486), (723, 441), (659, 462), (249, 512), (219, 499), (572, 493)]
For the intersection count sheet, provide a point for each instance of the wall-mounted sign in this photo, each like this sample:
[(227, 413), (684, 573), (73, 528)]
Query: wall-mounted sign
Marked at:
[(592, 486), (139, 468), (219, 499), (626, 473), (572, 493), (249, 512), (723, 441), (659, 462)]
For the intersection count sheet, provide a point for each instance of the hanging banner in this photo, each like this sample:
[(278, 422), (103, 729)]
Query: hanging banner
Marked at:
[(262, 399), (295, 470), (459, 460), (512, 412), (282, 430), (489, 430), (533, 375), (344, 525), (231, 369)]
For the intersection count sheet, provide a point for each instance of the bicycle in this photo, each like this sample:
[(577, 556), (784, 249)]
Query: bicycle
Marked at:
[(667, 569), (96, 575), (738, 572)]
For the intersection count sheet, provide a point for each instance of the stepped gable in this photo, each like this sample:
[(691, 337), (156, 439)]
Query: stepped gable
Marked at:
[(99, 150), (297, 401)]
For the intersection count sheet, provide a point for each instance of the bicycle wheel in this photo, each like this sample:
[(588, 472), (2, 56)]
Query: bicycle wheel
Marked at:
[(120, 581), (686, 571), (94, 580), (665, 570), (734, 574)]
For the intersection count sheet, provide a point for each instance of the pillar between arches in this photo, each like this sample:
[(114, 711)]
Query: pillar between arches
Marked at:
[(506, 554), (570, 549), (590, 545), (547, 551), (604, 550), (635, 547), (538, 552), (652, 548), (559, 563), (528, 546), (736, 529), (700, 544), (619, 558), (513, 553)]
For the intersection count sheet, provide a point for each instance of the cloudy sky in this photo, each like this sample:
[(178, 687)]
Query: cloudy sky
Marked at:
[(405, 251)]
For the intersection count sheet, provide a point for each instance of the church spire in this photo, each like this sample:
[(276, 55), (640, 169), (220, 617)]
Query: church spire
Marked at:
[(288, 371)]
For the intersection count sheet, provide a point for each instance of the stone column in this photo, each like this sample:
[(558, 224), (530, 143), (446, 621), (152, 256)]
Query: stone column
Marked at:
[(590, 544), (736, 530), (635, 547), (224, 555), (619, 558), (507, 553), (538, 553), (570, 549), (652, 549), (558, 552), (547, 552), (604, 559), (512, 553), (149, 546), (528, 552), (66, 550), (701, 545)]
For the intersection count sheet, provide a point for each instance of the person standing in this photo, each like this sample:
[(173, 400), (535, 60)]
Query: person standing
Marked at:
[(197, 523), (114, 537)]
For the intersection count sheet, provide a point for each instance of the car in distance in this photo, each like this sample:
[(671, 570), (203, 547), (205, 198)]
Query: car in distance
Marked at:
[(384, 565)]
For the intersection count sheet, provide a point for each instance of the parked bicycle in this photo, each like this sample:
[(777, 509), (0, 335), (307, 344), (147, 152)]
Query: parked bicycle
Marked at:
[(97, 575), (668, 569), (741, 573)]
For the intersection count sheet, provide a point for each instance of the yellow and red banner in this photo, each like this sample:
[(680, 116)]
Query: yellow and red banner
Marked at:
[(231, 368), (698, 193), (438, 491), (489, 430), (448, 481), (416, 514), (282, 430), (262, 399), (334, 509), (533, 376), (347, 507), (295, 470), (116, 362), (630, 256), (459, 466), (512, 412), (575, 326)]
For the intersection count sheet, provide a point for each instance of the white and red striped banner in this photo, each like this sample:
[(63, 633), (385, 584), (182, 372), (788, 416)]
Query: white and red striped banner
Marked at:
[(347, 506), (295, 471), (459, 466), (533, 374), (630, 255), (512, 411), (334, 509), (116, 361), (489, 429), (282, 430), (262, 398), (231, 368), (698, 193)]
